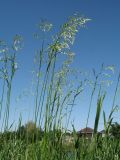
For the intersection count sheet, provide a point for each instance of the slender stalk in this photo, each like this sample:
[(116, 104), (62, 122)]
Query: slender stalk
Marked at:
[(38, 83), (115, 94), (91, 99), (2, 97)]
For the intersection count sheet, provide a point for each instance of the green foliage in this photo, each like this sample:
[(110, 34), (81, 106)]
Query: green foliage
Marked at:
[(98, 111), (115, 130)]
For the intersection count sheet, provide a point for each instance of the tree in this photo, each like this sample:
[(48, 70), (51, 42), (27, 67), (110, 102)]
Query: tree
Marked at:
[(29, 132), (21, 132), (115, 130)]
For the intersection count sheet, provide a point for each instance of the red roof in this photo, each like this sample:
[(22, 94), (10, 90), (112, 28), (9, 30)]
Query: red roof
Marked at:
[(86, 130)]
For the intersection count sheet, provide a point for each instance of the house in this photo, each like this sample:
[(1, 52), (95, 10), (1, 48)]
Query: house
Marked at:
[(67, 138), (86, 132), (102, 133)]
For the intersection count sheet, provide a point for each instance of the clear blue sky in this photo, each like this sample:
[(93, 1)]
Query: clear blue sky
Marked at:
[(99, 43)]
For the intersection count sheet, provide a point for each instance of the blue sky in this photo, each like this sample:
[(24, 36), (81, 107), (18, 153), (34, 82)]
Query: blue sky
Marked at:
[(94, 45)]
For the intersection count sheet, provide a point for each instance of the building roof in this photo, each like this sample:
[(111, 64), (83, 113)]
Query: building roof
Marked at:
[(86, 130), (103, 131)]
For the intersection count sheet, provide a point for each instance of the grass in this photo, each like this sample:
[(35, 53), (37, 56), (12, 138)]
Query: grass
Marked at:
[(51, 102)]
